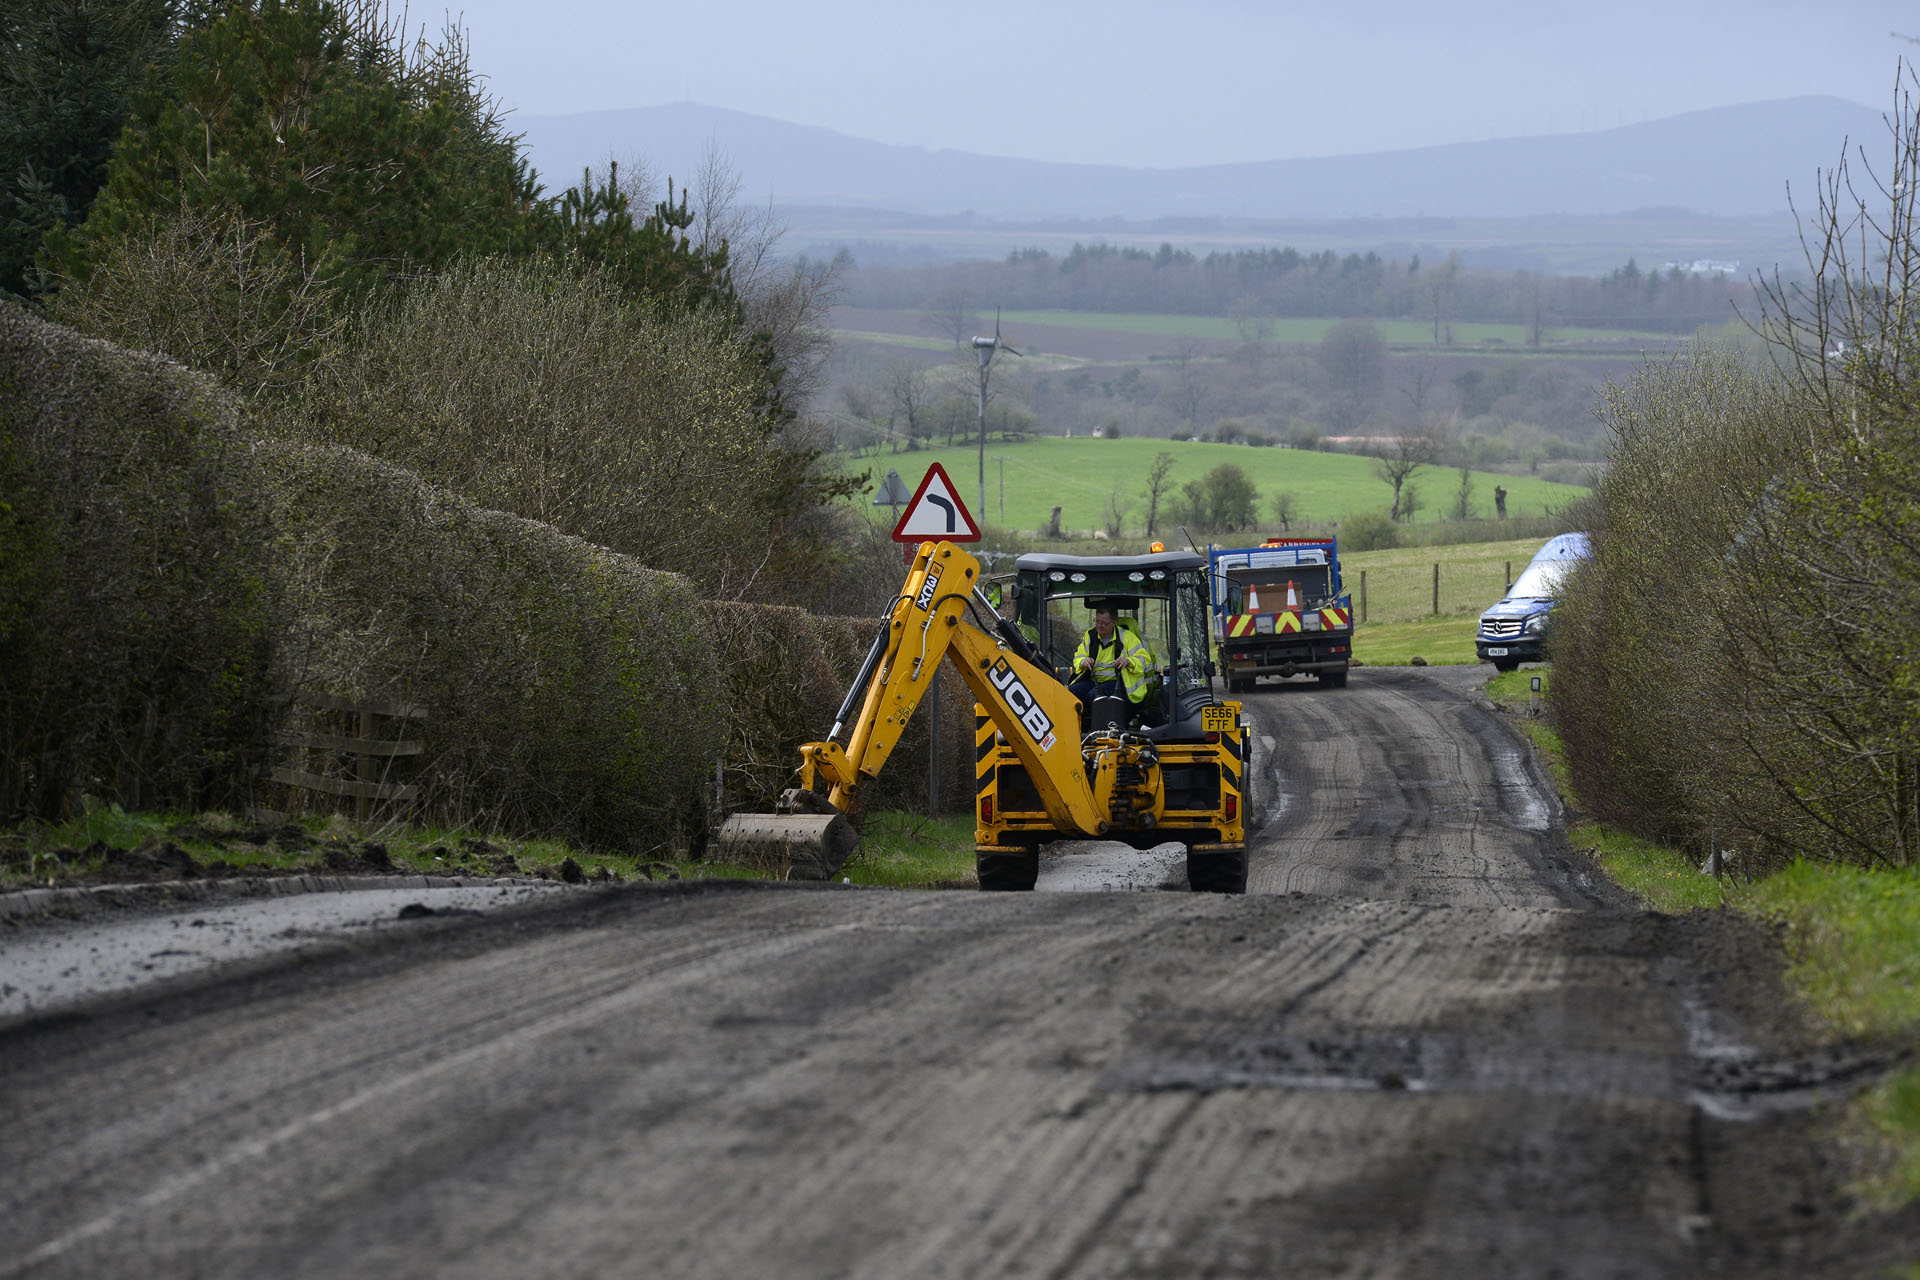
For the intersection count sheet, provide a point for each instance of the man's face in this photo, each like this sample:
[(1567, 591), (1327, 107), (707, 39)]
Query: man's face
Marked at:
[(1103, 623)]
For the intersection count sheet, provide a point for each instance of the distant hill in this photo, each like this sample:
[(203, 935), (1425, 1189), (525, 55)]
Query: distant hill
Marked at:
[(1730, 161)]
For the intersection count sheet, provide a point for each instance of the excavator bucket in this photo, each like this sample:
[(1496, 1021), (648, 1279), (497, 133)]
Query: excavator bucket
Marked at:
[(806, 846)]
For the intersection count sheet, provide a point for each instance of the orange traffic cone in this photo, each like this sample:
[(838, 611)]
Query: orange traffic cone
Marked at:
[(1252, 602), (1293, 597)]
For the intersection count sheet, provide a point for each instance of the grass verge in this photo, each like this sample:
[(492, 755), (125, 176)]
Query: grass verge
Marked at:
[(907, 851), (107, 845), (1852, 937)]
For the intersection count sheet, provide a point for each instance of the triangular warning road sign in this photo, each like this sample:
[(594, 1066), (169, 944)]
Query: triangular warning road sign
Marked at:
[(936, 513)]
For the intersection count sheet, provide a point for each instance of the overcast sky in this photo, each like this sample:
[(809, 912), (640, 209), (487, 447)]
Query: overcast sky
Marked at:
[(1200, 82)]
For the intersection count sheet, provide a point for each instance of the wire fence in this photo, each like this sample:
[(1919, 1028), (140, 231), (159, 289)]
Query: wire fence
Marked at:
[(1410, 592)]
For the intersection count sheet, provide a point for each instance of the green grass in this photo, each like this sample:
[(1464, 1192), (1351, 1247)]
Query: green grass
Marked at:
[(903, 850), (1442, 642), (1082, 474), (1399, 583), (1293, 329), (70, 853), (1663, 879), (1853, 936), (896, 849)]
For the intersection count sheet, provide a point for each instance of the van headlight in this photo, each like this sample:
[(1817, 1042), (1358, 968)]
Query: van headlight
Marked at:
[(1536, 624)]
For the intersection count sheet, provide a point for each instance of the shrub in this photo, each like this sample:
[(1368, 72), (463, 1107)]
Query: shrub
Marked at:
[(550, 394), (1369, 531)]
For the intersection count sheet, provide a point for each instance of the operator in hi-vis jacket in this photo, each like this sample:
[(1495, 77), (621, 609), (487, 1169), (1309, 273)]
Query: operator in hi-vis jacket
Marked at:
[(1113, 660)]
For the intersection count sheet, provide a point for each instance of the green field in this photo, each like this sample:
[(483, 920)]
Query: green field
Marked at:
[(1082, 474), (1303, 330), (1445, 642), (1399, 584)]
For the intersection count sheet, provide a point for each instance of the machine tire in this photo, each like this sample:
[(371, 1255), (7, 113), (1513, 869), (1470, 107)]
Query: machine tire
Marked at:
[(1217, 872), (1334, 679), (1013, 871)]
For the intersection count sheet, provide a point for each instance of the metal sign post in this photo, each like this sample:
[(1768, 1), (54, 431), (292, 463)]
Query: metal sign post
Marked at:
[(934, 514)]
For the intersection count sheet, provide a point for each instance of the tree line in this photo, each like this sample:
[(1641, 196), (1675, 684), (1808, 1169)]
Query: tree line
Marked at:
[(1255, 287)]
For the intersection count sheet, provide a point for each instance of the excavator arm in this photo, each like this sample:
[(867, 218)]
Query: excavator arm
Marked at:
[(927, 624), (1034, 711)]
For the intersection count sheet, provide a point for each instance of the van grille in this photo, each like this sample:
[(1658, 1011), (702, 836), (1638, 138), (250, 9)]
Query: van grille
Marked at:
[(1503, 628)]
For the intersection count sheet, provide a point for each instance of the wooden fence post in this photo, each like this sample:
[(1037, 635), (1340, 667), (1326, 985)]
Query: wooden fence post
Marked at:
[(372, 756)]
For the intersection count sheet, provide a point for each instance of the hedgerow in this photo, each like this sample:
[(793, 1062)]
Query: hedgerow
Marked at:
[(136, 594)]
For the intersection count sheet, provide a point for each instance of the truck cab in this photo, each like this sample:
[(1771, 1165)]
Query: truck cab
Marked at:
[(1279, 609), (1514, 630)]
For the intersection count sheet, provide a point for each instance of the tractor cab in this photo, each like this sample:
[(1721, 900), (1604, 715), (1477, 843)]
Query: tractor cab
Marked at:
[(1160, 598)]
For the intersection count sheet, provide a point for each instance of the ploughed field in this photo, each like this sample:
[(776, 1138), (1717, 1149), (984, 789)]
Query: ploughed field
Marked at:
[(1427, 1042)]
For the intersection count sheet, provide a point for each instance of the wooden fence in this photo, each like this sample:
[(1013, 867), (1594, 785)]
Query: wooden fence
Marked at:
[(373, 741)]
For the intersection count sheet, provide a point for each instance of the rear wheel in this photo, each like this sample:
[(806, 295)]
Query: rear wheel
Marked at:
[(1012, 871), (1217, 872), (1334, 679)]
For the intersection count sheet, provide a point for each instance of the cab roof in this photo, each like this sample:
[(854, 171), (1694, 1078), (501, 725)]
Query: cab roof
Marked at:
[(1041, 562)]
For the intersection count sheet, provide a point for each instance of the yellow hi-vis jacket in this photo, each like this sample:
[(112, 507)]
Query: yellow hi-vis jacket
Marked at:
[(1125, 658)]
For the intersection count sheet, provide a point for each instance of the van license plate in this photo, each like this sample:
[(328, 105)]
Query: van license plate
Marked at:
[(1496, 653)]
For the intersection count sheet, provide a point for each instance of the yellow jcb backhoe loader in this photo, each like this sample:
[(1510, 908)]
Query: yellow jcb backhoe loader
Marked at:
[(1164, 760)]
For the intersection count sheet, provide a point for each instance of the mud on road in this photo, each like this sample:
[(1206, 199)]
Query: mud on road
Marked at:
[(1425, 1045)]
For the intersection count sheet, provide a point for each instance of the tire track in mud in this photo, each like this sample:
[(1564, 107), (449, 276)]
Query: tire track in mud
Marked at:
[(1400, 788)]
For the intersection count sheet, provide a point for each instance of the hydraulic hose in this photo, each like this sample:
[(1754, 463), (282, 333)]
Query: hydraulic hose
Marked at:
[(867, 669)]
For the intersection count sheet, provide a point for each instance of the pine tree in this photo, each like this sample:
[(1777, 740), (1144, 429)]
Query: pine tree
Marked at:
[(315, 121), (68, 73)]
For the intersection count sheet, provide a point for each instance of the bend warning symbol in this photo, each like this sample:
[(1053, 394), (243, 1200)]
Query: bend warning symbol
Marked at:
[(936, 513)]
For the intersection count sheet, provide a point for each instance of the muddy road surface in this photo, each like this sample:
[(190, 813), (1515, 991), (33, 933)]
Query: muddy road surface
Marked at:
[(1425, 1044)]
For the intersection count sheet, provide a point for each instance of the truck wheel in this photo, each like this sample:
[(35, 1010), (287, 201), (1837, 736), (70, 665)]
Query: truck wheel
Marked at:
[(1015, 870), (1333, 679), (1217, 872)]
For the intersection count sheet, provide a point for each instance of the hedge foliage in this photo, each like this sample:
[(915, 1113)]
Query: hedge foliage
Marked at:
[(161, 583), (785, 673), (569, 689), (1737, 664), (1668, 726), (136, 601)]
